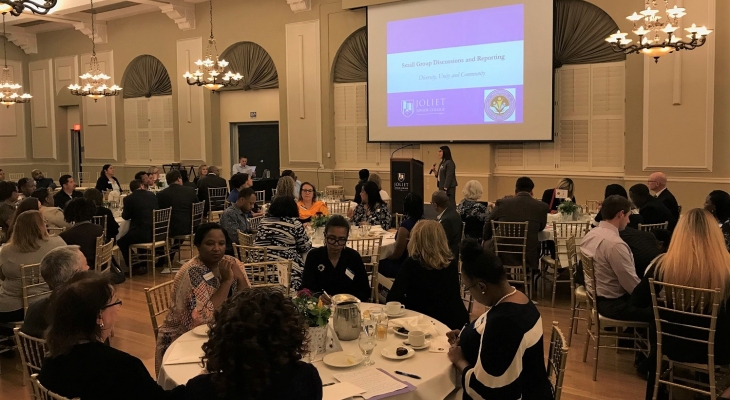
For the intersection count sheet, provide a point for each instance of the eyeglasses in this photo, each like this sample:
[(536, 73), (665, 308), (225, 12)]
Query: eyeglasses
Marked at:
[(470, 286), (335, 240), (116, 303), (307, 191)]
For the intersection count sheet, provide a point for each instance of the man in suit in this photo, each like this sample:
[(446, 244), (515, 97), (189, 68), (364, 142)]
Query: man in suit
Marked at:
[(138, 207), (644, 247), (181, 199), (145, 179), (212, 180), (651, 209), (83, 233), (521, 207), (658, 184), (67, 192), (449, 219), (41, 182)]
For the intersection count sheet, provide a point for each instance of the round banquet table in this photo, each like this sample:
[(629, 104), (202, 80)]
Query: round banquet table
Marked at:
[(438, 376), (547, 233)]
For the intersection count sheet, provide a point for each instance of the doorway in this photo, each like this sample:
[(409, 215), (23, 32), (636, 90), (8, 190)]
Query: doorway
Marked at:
[(259, 142)]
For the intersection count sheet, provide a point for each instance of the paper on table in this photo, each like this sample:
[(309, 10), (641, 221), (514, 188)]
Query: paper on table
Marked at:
[(372, 380), (185, 352), (340, 391)]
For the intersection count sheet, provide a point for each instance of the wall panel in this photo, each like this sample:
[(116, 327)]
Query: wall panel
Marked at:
[(12, 128), (43, 121), (190, 102), (99, 129)]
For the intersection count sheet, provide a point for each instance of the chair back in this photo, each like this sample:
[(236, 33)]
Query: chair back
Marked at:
[(334, 192), (651, 227), (273, 192), (215, 216), (562, 231), (55, 231), (245, 239), (367, 247), (510, 245), (270, 273), (217, 198), (198, 212), (557, 357), (250, 254), (399, 220), (125, 187), (572, 254), (338, 207), (32, 352), (101, 221), (104, 252), (15, 176), (260, 197), (41, 393), (32, 283), (161, 224), (472, 227), (254, 223), (85, 178), (590, 279), (159, 301), (592, 206)]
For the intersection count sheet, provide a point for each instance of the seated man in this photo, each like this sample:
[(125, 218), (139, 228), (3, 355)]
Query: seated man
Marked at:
[(41, 182), (235, 217), (651, 209), (67, 192), (57, 267), (243, 168), (26, 187), (181, 199), (658, 184), (138, 209), (613, 263), (450, 219), (146, 179), (644, 247)]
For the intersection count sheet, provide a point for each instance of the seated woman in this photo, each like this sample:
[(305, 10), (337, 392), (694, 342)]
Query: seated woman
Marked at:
[(425, 283), (29, 204), (697, 257), (200, 287), (378, 181), (285, 187), (107, 181), (612, 189), (82, 315), (412, 212), (84, 234), (112, 226), (336, 268), (52, 215), (308, 204), (255, 349), (473, 213), (283, 236), (373, 209), (510, 330), (202, 171), (549, 195), (718, 204), (29, 243)]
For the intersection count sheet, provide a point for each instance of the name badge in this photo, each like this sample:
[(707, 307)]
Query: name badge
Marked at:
[(349, 274), (208, 276)]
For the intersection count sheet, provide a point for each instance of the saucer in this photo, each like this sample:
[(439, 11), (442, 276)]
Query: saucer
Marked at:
[(398, 314), (426, 345)]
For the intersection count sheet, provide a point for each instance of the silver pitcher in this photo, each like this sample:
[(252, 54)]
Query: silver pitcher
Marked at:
[(347, 318)]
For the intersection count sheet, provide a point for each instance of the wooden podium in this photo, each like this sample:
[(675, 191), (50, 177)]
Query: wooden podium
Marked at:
[(406, 175)]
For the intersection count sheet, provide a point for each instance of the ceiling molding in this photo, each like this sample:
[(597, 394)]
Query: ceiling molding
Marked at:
[(182, 14), (26, 41), (300, 5), (85, 28)]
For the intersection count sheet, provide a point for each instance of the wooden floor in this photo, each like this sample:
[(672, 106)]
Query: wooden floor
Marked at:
[(133, 334)]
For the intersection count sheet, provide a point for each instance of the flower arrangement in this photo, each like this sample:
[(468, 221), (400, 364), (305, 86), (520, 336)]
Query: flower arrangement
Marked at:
[(319, 220), (160, 184), (567, 207), (315, 313)]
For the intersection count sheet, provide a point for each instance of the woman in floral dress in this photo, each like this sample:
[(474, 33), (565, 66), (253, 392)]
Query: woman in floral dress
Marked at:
[(373, 209)]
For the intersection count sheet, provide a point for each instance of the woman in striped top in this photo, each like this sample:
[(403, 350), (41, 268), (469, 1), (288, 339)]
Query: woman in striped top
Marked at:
[(509, 362)]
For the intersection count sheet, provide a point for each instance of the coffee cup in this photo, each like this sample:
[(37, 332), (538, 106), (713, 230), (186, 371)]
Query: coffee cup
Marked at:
[(394, 307), (416, 338)]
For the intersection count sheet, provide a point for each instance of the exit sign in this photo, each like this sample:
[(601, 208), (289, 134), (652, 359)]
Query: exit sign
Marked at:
[(77, 127)]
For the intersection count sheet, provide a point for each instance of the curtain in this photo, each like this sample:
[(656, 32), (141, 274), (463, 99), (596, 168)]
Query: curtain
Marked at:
[(351, 63), (579, 32), (146, 77), (254, 63)]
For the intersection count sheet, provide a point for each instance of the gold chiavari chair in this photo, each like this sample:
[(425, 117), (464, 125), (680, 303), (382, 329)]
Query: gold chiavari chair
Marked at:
[(15, 176), (270, 273), (186, 241), (510, 245), (466, 296), (687, 316), (250, 254), (32, 352), (369, 248), (101, 221), (41, 393), (338, 207), (399, 220), (87, 178), (159, 300), (104, 252), (598, 324), (578, 300), (651, 227), (260, 197), (245, 239), (553, 267), (273, 192), (215, 216), (254, 223), (557, 358), (32, 284), (216, 200), (335, 192), (160, 240), (592, 206)]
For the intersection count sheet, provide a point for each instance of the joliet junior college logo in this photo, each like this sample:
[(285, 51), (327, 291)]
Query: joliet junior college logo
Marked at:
[(499, 105), (401, 176), (407, 107)]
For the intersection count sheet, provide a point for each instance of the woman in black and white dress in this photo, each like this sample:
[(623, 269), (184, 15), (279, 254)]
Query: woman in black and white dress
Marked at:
[(487, 350), (284, 237)]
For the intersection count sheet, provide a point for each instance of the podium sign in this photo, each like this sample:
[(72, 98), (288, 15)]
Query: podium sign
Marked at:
[(406, 175)]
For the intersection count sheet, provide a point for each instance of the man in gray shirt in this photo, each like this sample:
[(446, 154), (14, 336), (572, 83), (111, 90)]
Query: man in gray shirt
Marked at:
[(613, 263), (235, 217)]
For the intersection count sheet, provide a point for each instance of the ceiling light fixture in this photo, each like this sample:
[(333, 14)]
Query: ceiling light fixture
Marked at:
[(9, 89), (16, 7)]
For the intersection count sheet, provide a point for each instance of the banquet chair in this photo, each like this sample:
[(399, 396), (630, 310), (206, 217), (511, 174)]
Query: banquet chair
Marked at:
[(15, 176), (216, 200), (186, 241), (374, 283), (466, 296), (578, 300), (32, 352), (369, 248), (250, 254), (270, 274), (55, 231), (86, 178), (66, 173), (245, 239), (687, 315), (254, 223), (510, 245), (41, 393), (159, 301), (160, 240), (598, 323), (335, 192), (101, 221), (553, 267), (103, 254), (386, 283), (215, 216), (32, 284), (338, 207), (398, 220), (557, 358), (260, 197), (592, 206), (125, 188), (273, 192), (651, 227)]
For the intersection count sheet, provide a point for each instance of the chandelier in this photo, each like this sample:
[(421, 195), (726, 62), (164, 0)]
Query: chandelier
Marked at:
[(9, 89), (656, 33), (94, 81), (212, 66), (15, 7)]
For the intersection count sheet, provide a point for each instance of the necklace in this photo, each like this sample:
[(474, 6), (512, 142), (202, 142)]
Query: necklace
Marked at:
[(514, 290)]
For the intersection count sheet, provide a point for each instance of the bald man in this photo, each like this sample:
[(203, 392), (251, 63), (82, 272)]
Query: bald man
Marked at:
[(449, 219), (658, 184)]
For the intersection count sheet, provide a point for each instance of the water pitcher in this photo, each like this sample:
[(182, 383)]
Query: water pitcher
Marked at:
[(347, 318)]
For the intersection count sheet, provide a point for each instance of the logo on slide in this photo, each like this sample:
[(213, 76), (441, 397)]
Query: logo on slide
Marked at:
[(499, 105), (407, 107), (401, 176)]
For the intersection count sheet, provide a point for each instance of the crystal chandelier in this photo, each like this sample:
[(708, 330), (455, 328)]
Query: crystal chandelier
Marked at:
[(9, 89), (94, 81), (15, 7), (212, 66), (656, 33)]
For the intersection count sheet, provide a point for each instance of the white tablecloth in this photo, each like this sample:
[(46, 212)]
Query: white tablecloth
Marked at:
[(438, 376), (547, 233), (123, 225)]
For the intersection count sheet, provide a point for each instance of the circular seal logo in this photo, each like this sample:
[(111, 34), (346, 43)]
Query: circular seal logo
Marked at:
[(499, 105)]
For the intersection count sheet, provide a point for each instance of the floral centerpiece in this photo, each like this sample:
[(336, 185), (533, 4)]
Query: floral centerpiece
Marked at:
[(160, 184), (568, 209), (319, 220), (316, 315)]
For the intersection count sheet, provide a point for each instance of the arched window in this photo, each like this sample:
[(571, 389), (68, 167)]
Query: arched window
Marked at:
[(579, 32), (254, 63), (146, 77), (351, 62)]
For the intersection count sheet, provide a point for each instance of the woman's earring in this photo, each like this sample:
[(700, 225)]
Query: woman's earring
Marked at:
[(101, 324)]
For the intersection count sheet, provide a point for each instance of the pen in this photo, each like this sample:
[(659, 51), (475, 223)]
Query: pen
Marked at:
[(328, 384), (462, 330), (408, 375)]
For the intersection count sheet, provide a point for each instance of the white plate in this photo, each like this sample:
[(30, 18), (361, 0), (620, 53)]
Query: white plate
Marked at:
[(398, 314), (405, 335), (201, 330), (426, 345), (342, 359), (389, 352)]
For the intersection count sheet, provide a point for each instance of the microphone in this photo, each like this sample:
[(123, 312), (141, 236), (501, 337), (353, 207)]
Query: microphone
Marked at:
[(431, 172), (400, 148)]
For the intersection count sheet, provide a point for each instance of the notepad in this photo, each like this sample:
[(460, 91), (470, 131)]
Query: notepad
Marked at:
[(373, 381), (341, 391)]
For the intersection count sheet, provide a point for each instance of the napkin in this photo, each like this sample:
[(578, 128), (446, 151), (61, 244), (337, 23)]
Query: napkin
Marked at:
[(419, 323), (439, 345)]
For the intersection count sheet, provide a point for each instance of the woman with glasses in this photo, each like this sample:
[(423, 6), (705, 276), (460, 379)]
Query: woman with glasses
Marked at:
[(308, 204), (501, 353), (336, 268), (82, 315), (425, 283)]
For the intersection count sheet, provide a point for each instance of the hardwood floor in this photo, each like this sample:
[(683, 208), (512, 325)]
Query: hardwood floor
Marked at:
[(133, 334)]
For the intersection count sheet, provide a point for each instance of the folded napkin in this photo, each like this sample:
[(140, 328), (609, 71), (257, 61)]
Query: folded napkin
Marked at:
[(419, 323)]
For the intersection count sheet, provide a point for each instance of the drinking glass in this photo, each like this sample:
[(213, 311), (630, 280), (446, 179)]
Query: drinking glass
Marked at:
[(367, 344)]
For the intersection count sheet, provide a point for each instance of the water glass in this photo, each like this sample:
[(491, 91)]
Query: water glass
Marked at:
[(381, 327), (367, 344)]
